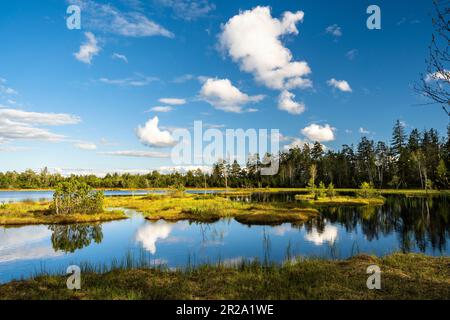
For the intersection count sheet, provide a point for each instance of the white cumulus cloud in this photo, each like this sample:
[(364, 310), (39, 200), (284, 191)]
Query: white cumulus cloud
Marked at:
[(286, 102), (222, 95), (340, 85), (315, 132), (89, 49), (151, 135), (253, 40)]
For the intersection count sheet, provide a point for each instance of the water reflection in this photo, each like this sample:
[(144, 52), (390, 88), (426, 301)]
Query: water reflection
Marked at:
[(407, 224), (418, 222), (25, 243), (150, 233), (328, 235), (69, 238)]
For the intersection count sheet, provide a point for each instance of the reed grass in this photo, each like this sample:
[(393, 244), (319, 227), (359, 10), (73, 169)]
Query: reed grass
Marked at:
[(404, 276)]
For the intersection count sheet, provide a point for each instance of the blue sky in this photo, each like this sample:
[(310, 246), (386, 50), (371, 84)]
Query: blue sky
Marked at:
[(73, 100)]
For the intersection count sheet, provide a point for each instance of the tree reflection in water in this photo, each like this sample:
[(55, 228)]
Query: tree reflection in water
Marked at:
[(69, 238), (419, 221)]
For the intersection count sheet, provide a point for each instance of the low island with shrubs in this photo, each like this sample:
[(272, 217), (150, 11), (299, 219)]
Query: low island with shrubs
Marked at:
[(73, 202), (321, 195)]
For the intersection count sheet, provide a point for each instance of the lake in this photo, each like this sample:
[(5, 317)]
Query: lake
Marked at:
[(44, 195), (402, 224)]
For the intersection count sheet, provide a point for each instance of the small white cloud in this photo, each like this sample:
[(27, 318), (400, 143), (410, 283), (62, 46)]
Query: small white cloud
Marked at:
[(319, 133), (37, 118), (286, 103), (86, 146), (334, 30), (189, 9), (297, 143), (107, 18), (5, 89), (350, 55), (161, 109), (120, 57), (137, 81), (401, 21), (23, 125), (364, 131), (340, 85), (13, 130), (443, 75), (136, 154), (183, 78), (183, 169), (222, 95), (89, 49), (173, 101), (152, 136)]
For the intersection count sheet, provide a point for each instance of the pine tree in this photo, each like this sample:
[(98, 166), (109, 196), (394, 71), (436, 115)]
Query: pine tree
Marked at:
[(398, 138)]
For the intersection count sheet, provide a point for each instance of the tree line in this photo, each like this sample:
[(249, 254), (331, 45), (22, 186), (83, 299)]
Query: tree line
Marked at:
[(415, 159)]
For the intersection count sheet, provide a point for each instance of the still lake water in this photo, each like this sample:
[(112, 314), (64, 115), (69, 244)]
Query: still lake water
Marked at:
[(17, 196), (402, 224)]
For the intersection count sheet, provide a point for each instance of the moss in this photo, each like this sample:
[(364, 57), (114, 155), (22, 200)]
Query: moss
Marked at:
[(207, 209), (404, 276)]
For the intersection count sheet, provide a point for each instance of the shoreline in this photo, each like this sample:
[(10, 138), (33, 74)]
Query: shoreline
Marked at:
[(404, 276)]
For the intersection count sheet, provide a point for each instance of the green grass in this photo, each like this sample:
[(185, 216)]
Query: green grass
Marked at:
[(404, 276), (26, 213), (340, 200), (211, 208)]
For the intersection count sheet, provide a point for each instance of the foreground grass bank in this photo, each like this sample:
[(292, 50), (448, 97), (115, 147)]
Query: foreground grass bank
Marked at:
[(204, 208), (26, 213), (404, 276)]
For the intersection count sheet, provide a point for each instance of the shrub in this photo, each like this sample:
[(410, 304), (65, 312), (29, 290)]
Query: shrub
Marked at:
[(321, 190), (75, 197), (366, 190), (331, 192)]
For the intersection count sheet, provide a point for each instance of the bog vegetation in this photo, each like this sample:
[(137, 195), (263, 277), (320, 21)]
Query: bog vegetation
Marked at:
[(411, 160), (72, 197)]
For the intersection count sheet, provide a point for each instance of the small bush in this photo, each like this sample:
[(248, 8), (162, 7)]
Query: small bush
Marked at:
[(321, 191), (75, 197), (367, 190), (331, 192)]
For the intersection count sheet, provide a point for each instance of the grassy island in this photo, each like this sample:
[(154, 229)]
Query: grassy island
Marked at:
[(340, 200), (404, 276), (40, 213), (206, 208), (73, 202)]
